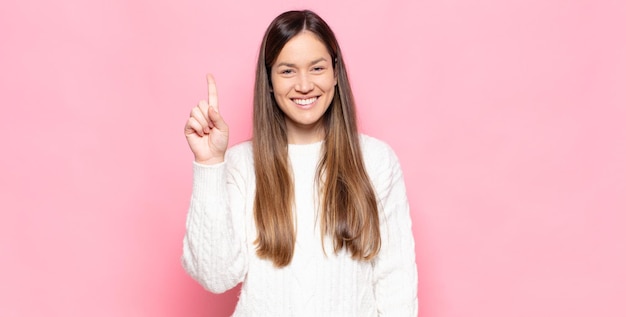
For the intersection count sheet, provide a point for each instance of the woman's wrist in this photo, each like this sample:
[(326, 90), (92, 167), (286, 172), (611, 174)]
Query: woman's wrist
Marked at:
[(211, 161)]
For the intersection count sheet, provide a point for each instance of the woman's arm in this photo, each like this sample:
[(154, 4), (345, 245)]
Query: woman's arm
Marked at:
[(214, 251), (395, 271)]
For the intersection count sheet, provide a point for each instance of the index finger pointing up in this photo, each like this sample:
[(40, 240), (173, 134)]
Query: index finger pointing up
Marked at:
[(212, 92)]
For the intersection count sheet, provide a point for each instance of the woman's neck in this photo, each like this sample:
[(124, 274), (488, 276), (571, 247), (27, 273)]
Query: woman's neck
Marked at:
[(305, 135)]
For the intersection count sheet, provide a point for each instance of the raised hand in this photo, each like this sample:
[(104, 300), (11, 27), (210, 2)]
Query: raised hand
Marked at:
[(206, 131)]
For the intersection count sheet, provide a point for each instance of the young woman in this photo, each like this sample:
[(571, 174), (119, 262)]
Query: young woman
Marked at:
[(310, 215)]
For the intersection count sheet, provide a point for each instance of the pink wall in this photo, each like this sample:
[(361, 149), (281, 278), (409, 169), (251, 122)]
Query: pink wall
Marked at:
[(508, 117)]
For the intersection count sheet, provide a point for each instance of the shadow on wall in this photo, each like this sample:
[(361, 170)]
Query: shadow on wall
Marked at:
[(216, 305)]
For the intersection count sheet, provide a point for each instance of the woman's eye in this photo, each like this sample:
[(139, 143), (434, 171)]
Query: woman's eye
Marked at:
[(318, 68), (286, 71)]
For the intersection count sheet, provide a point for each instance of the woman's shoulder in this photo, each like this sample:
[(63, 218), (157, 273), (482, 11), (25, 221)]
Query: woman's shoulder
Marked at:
[(243, 148), (373, 147), (240, 154), (379, 158)]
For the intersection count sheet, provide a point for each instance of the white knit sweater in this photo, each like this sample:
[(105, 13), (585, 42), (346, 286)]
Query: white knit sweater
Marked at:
[(219, 250)]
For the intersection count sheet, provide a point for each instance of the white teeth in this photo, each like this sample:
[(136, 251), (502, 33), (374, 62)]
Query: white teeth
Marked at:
[(304, 102)]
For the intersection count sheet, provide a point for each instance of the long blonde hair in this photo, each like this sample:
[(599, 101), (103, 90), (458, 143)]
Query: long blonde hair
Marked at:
[(349, 212)]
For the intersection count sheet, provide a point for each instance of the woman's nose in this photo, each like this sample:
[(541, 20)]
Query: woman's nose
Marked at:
[(304, 84)]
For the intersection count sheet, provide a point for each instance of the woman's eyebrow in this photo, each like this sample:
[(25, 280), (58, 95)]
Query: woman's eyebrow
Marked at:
[(321, 59)]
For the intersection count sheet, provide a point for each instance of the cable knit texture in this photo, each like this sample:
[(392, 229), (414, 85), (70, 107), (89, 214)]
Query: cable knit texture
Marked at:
[(219, 250)]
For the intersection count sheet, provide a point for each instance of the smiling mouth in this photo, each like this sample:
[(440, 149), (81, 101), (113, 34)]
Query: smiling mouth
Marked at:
[(305, 102)]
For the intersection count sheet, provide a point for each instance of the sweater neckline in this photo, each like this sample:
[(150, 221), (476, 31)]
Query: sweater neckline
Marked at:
[(309, 148), (306, 144)]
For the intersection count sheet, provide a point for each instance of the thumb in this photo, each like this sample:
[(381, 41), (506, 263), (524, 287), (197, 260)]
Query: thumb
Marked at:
[(217, 119)]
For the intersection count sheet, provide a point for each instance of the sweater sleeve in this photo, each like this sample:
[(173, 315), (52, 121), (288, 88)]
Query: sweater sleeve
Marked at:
[(214, 244), (395, 271)]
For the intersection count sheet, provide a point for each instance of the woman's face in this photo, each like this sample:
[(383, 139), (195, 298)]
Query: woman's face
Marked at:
[(303, 82)]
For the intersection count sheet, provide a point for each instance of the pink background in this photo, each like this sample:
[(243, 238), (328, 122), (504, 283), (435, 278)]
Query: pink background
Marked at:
[(508, 118)]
